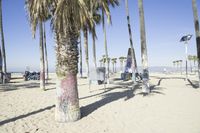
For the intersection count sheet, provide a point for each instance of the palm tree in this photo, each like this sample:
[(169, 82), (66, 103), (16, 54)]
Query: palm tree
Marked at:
[(85, 34), (46, 57), (97, 19), (3, 51), (67, 23), (174, 63), (94, 48), (190, 58), (121, 59), (194, 60), (92, 6), (101, 62), (1, 78), (121, 63), (108, 60), (145, 78), (105, 43), (38, 12), (177, 63), (197, 31), (104, 60), (131, 41), (115, 65), (114, 61), (104, 10), (181, 65), (80, 55)]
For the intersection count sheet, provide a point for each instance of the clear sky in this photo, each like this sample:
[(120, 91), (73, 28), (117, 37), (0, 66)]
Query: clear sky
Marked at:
[(166, 21)]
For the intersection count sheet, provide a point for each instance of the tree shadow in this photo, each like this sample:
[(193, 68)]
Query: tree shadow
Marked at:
[(26, 115), (124, 83), (17, 78), (159, 82), (116, 79), (49, 89), (4, 90), (161, 79), (105, 91), (119, 85), (82, 84), (82, 77), (154, 89), (157, 77), (194, 84), (107, 98), (14, 82), (12, 87), (50, 83), (30, 85)]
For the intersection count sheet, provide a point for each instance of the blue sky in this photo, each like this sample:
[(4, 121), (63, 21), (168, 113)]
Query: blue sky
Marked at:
[(166, 21)]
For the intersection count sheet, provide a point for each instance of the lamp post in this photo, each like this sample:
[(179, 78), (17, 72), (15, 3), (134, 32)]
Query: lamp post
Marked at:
[(185, 39)]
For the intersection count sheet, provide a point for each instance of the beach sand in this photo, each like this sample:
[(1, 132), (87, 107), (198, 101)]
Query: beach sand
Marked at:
[(172, 107)]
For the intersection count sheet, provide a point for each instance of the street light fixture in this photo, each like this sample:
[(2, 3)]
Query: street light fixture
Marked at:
[(185, 39)]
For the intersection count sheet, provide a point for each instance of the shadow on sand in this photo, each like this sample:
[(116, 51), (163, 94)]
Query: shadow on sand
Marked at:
[(194, 84), (129, 93), (26, 115), (12, 87), (107, 98)]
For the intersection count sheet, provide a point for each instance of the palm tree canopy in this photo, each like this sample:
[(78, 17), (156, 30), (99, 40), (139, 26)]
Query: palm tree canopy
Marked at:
[(94, 7), (66, 11), (37, 10), (190, 57), (104, 4), (195, 58), (114, 60)]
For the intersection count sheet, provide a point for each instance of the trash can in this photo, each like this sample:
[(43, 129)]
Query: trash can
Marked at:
[(126, 76), (97, 76)]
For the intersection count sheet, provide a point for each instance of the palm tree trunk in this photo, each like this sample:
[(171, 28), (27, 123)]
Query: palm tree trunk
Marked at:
[(105, 45), (134, 66), (121, 65), (181, 68), (194, 66), (67, 103), (81, 62), (94, 50), (42, 65), (1, 78), (113, 67), (46, 57), (197, 31), (3, 44), (143, 49), (85, 33)]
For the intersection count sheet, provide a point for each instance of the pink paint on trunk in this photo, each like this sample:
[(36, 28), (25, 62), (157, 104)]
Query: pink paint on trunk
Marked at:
[(69, 89)]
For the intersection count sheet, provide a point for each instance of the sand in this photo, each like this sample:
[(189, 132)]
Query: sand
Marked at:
[(172, 107)]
